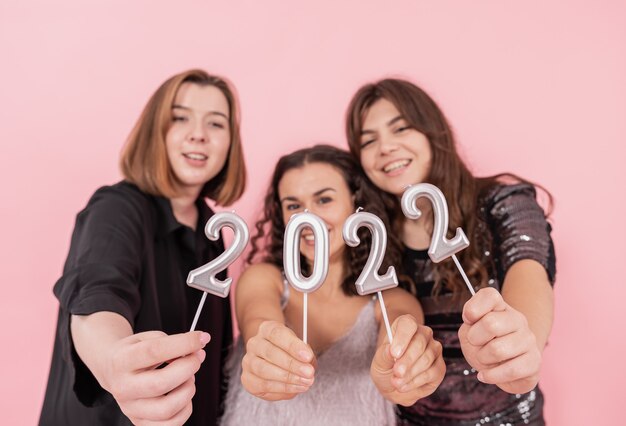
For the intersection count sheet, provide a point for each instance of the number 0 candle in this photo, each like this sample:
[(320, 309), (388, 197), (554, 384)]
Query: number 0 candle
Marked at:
[(291, 257)]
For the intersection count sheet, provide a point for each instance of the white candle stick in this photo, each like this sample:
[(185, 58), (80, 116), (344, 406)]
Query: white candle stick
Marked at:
[(197, 315), (385, 318), (462, 271), (305, 318)]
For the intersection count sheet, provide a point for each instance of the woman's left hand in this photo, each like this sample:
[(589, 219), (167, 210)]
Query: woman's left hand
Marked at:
[(410, 368), (497, 341)]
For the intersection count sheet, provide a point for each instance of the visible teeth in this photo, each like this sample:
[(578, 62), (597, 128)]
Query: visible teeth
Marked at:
[(195, 156), (396, 165), (310, 237)]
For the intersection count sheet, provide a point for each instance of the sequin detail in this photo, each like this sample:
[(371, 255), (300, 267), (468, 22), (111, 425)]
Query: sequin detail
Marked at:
[(519, 227), (519, 231)]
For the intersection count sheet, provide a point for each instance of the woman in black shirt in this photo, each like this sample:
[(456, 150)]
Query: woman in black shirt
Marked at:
[(493, 342), (121, 353)]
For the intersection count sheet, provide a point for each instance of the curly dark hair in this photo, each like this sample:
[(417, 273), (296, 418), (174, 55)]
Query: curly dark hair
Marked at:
[(267, 242)]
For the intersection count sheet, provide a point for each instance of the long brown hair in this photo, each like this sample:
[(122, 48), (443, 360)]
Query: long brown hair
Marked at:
[(268, 239), (144, 160), (448, 172)]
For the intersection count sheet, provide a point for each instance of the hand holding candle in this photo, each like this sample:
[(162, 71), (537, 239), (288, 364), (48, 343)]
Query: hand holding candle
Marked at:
[(497, 341), (277, 365), (411, 368)]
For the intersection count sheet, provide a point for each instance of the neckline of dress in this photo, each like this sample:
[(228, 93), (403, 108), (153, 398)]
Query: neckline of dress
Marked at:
[(359, 319)]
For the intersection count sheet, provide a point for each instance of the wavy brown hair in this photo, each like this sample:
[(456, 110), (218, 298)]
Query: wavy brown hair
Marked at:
[(144, 160), (267, 242), (448, 172)]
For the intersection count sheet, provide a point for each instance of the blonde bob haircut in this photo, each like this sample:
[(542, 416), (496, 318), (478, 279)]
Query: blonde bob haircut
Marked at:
[(144, 160)]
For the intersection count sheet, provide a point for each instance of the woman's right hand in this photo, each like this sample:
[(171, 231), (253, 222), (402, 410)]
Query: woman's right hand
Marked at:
[(146, 393), (277, 364)]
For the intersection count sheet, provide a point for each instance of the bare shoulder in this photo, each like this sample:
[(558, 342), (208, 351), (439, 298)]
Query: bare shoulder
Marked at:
[(261, 275), (266, 270)]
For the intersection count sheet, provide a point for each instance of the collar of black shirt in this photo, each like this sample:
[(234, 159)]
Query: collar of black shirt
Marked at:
[(167, 222)]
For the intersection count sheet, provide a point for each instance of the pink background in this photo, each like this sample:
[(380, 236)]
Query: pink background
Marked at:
[(536, 88)]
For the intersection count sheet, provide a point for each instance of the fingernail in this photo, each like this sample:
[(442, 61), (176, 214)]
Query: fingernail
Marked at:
[(396, 351), (201, 355), (401, 370), (307, 370), (306, 381), (205, 338), (304, 355), (480, 377)]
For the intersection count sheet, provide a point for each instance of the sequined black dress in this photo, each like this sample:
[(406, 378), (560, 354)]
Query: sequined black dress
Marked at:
[(519, 231)]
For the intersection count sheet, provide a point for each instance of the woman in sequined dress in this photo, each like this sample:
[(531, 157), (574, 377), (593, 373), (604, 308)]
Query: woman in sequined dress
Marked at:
[(493, 342)]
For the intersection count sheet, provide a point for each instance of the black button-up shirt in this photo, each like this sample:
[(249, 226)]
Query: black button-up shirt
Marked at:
[(129, 255)]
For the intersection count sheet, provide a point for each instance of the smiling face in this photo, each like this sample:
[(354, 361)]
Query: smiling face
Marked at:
[(393, 154), (198, 139), (322, 190)]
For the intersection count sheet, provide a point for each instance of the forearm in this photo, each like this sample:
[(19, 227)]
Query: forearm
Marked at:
[(94, 334), (527, 289), (258, 298), (400, 302)]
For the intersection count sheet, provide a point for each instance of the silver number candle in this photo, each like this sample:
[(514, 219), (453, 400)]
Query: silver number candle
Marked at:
[(205, 277), (370, 281), (440, 246), (291, 256)]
